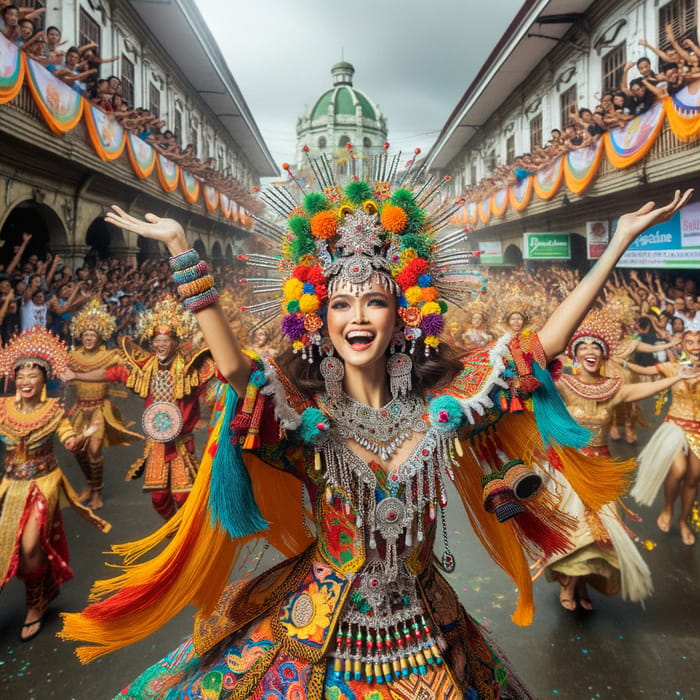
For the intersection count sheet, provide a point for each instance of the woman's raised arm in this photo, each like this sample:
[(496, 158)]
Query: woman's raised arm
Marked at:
[(230, 360), (567, 317)]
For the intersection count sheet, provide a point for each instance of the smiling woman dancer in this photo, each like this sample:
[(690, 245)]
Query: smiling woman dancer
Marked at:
[(603, 554), (373, 432), (32, 540)]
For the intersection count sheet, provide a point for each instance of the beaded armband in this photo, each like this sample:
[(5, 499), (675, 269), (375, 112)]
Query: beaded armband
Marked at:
[(182, 261), (196, 286), (190, 274), (202, 300)]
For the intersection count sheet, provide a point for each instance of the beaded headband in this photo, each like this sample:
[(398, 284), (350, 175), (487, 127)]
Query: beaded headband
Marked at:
[(92, 318), (356, 235), (36, 346), (597, 328), (167, 318)]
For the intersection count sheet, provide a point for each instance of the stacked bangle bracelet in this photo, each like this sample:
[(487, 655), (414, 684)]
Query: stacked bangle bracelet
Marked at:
[(195, 284)]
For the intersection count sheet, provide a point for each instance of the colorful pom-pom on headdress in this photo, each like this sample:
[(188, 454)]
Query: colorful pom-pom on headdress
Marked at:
[(167, 317), (35, 346), (356, 235), (92, 318)]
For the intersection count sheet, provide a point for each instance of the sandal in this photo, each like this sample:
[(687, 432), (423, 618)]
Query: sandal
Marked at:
[(29, 638)]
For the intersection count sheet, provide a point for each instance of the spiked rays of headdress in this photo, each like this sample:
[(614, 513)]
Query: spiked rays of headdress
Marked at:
[(357, 234)]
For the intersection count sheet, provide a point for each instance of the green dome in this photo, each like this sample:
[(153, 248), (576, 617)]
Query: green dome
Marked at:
[(344, 99)]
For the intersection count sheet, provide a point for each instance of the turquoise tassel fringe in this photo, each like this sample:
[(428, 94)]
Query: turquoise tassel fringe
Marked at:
[(554, 421), (231, 501)]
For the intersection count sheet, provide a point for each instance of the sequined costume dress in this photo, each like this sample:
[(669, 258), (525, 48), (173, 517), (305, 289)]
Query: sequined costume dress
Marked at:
[(168, 467), (602, 551), (94, 409), (31, 480), (363, 612), (92, 406), (679, 431)]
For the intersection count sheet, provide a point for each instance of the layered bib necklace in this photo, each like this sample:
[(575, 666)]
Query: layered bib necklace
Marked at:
[(380, 430)]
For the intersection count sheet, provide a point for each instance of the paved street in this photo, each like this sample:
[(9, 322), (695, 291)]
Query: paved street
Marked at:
[(619, 651)]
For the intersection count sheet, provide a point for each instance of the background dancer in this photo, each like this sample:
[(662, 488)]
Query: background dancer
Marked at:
[(93, 409), (33, 543), (672, 455)]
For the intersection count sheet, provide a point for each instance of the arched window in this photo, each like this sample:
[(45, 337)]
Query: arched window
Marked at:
[(366, 142), (321, 141), (343, 141)]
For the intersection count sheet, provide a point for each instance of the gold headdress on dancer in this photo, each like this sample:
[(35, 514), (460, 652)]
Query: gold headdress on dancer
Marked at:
[(167, 318), (36, 346), (596, 328), (622, 308), (92, 318)]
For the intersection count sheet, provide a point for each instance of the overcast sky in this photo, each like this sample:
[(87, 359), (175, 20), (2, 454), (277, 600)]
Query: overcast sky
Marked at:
[(413, 58)]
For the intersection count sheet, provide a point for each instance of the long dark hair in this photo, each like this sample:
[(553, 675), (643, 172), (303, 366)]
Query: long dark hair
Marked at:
[(430, 371)]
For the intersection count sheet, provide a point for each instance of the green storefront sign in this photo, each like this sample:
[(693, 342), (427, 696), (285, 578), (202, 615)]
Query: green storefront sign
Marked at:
[(547, 246)]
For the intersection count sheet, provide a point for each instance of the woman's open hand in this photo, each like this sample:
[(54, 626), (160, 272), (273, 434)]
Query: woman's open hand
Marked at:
[(630, 225), (167, 231)]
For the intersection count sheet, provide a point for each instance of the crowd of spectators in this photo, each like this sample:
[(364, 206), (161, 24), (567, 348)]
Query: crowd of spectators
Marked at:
[(80, 67), (652, 304), (679, 64)]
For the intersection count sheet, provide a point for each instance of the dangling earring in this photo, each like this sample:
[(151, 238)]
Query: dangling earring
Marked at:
[(18, 397), (42, 398), (399, 367), (332, 371)]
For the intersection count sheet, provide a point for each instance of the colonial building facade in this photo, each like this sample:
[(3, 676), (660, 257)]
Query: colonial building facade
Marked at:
[(62, 160), (555, 56)]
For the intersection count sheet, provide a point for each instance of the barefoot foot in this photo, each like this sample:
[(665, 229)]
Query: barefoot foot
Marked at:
[(95, 502), (663, 522), (687, 536), (567, 597), (582, 596)]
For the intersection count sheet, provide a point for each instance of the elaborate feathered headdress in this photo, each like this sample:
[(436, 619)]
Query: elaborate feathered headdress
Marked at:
[(36, 346), (355, 235), (92, 318), (167, 317)]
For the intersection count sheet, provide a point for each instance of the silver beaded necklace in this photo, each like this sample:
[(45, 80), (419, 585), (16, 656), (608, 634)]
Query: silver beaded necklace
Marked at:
[(379, 430)]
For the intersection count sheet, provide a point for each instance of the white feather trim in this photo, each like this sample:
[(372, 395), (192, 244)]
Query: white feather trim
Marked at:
[(288, 418), (655, 460), (634, 572)]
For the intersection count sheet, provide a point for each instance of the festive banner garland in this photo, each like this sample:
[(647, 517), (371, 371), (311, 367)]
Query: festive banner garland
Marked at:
[(60, 105), (547, 180), (105, 132), (142, 155), (485, 210), (190, 187), (629, 144), (499, 202), (581, 167), (168, 173), (11, 70), (683, 112), (211, 198), (472, 213), (520, 194), (225, 203)]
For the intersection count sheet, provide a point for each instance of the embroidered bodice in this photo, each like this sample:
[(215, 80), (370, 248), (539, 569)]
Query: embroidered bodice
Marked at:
[(83, 361), (591, 405), (28, 437)]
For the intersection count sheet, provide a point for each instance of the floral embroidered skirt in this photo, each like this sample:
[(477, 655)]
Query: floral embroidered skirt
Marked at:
[(252, 665)]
